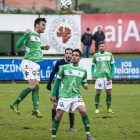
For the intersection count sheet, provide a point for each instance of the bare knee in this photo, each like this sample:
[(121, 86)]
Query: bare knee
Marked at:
[(58, 115), (83, 113), (98, 91), (54, 105), (32, 87)]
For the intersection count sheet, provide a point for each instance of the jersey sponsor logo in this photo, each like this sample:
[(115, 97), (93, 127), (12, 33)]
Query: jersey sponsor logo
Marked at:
[(38, 74), (64, 32), (79, 73), (36, 38), (108, 83), (70, 72), (80, 100), (26, 73), (34, 73), (61, 104), (99, 84), (99, 58)]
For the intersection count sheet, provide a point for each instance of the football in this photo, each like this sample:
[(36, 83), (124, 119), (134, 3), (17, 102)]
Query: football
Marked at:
[(65, 4)]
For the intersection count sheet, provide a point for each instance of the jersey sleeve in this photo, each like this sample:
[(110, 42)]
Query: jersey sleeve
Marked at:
[(84, 79), (60, 73), (112, 60), (56, 68), (93, 60)]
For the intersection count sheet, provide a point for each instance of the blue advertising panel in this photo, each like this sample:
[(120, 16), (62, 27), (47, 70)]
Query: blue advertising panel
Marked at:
[(124, 69)]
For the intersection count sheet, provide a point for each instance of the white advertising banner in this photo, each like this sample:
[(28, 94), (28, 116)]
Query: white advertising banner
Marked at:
[(62, 32), (16, 22)]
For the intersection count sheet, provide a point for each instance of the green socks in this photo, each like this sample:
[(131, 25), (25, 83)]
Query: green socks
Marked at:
[(86, 123), (97, 100), (55, 126), (22, 95), (108, 100), (35, 97)]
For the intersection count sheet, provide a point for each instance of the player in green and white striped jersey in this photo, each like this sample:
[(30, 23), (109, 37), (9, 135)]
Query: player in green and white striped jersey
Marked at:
[(29, 66), (69, 79), (104, 73)]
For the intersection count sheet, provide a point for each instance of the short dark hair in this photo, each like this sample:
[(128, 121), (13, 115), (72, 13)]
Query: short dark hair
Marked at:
[(101, 42), (77, 50), (38, 20), (68, 49), (99, 27)]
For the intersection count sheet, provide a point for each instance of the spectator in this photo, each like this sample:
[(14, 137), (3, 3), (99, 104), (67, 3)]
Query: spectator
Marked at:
[(87, 41), (97, 37)]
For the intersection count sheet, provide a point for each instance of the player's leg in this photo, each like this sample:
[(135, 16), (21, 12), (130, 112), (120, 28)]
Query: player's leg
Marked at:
[(72, 120), (108, 86), (63, 105), (99, 85), (55, 103), (35, 99), (56, 122), (85, 120), (25, 66)]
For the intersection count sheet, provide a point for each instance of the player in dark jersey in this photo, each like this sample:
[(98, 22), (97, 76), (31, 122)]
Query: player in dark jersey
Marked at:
[(59, 63)]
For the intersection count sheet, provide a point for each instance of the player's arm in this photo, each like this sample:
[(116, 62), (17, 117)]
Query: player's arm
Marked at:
[(55, 69), (112, 67), (93, 67), (84, 81), (46, 47), (56, 83), (25, 37)]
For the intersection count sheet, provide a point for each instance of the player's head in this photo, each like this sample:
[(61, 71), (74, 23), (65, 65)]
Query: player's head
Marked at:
[(101, 46), (76, 56), (40, 25), (68, 54)]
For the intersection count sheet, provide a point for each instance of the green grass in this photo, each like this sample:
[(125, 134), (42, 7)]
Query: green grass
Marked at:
[(123, 124)]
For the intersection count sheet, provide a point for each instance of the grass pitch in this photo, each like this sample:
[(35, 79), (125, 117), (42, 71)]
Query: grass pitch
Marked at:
[(123, 124)]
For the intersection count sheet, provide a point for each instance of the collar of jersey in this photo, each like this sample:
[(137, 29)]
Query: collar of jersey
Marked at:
[(35, 33), (67, 61), (103, 53), (76, 66)]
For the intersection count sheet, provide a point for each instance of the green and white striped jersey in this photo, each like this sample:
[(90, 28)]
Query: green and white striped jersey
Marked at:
[(71, 78), (103, 64), (32, 46)]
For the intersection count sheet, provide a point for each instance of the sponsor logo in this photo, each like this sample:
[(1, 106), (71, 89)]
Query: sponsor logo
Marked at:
[(61, 104), (99, 84), (80, 100), (70, 72), (99, 58), (64, 33), (34, 73), (79, 97), (36, 38), (38, 74), (79, 73), (108, 83)]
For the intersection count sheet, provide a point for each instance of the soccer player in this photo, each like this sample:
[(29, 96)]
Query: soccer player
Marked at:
[(69, 79), (59, 63), (104, 74), (29, 66)]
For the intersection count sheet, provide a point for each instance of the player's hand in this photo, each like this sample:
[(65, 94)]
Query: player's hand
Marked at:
[(86, 87), (48, 87), (110, 78), (28, 31), (52, 98), (93, 77), (46, 47)]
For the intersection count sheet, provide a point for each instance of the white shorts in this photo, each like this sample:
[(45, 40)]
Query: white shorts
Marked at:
[(30, 70), (65, 103), (102, 83)]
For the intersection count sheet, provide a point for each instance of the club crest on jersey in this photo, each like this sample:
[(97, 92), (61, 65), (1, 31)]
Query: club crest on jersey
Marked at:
[(99, 84), (26, 67), (99, 58), (70, 72), (36, 38), (79, 73), (61, 104), (34, 73)]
